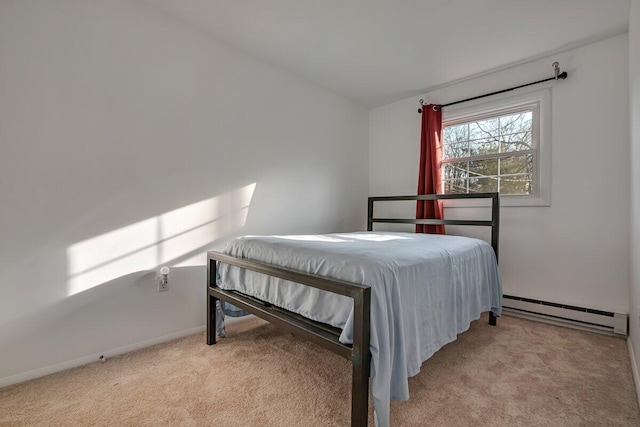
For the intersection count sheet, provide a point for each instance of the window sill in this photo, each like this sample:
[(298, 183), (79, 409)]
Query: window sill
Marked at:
[(505, 201)]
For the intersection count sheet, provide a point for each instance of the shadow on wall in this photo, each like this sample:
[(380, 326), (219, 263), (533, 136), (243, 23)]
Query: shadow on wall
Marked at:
[(176, 238)]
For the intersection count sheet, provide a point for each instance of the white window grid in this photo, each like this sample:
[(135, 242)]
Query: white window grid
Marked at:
[(534, 110)]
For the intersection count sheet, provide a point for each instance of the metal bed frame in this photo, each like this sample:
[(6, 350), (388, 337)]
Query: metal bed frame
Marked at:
[(323, 334)]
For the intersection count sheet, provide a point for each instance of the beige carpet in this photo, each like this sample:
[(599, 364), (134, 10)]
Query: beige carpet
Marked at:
[(520, 373)]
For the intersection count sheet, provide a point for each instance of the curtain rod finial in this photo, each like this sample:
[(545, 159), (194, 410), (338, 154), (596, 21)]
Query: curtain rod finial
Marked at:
[(556, 69)]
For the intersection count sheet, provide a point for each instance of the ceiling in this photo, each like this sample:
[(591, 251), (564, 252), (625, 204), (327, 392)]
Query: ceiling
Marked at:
[(378, 51)]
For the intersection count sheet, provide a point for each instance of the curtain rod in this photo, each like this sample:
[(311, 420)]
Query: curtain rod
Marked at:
[(557, 75)]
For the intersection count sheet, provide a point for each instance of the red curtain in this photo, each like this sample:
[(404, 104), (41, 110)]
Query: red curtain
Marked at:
[(429, 175)]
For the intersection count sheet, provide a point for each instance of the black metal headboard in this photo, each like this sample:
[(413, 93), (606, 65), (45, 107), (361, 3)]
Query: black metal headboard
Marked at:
[(494, 223)]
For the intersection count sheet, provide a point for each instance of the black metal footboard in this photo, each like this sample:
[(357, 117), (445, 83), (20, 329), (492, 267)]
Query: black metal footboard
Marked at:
[(321, 334)]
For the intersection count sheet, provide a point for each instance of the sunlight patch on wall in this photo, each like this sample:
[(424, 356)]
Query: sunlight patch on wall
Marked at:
[(177, 238)]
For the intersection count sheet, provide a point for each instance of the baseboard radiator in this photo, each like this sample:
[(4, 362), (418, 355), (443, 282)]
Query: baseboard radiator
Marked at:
[(566, 315)]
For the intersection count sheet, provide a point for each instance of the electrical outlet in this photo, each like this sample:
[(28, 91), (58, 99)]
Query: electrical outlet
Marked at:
[(163, 284), (163, 279)]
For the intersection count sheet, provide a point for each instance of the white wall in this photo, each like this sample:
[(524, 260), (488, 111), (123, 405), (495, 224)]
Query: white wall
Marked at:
[(634, 79), (128, 141), (576, 250)]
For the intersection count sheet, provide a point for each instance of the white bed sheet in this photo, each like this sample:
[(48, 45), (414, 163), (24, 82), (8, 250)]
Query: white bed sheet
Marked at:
[(426, 289)]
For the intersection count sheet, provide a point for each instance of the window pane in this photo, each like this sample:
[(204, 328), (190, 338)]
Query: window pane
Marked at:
[(479, 168), (455, 134), (516, 184), (483, 129), (515, 123), (455, 151), (516, 142), (487, 184), (455, 186), (484, 146), (491, 154), (516, 164), (455, 170)]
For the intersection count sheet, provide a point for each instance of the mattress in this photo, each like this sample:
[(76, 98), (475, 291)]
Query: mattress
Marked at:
[(426, 289)]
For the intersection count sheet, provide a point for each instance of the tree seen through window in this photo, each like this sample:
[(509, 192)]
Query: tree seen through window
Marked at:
[(493, 154)]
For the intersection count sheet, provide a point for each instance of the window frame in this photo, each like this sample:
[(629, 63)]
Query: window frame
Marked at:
[(540, 103)]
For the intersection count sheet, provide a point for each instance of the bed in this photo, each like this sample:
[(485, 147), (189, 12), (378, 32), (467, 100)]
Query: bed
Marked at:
[(384, 300)]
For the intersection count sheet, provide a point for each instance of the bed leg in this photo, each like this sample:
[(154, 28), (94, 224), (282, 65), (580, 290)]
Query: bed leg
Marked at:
[(493, 320), (211, 320), (360, 392), (211, 304), (361, 360)]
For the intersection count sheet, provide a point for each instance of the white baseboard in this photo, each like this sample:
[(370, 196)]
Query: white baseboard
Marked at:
[(560, 322), (634, 369), (41, 372), (568, 315)]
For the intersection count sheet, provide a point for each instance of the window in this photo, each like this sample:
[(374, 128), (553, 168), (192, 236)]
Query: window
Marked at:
[(490, 154), (498, 147)]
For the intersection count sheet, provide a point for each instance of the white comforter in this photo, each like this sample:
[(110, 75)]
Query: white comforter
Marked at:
[(426, 289)]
